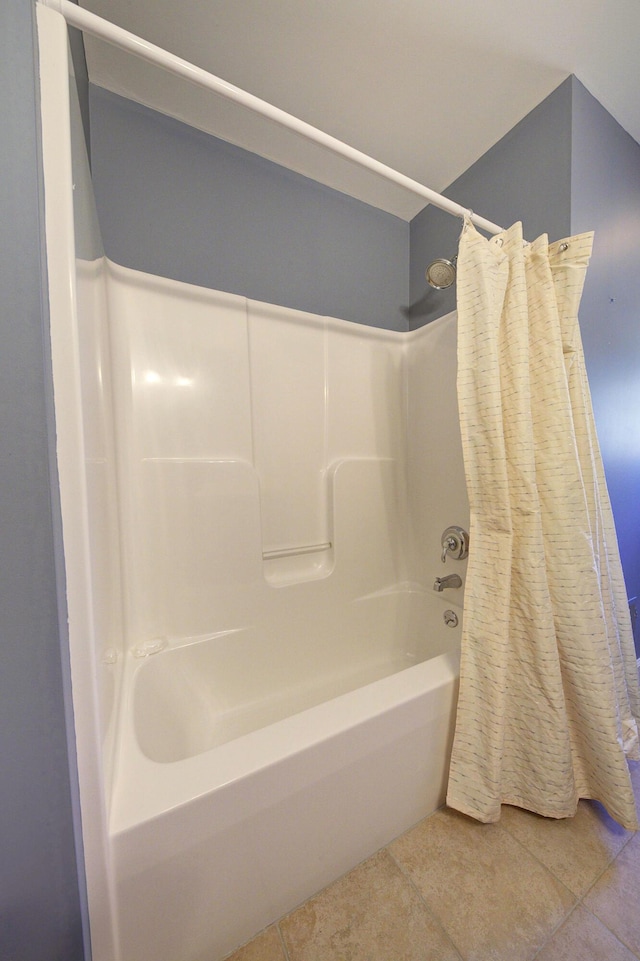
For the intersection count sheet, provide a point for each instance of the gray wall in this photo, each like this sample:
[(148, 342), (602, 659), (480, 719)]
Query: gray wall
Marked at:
[(605, 197), (525, 176), (76, 46), (565, 168), (40, 903), (177, 202)]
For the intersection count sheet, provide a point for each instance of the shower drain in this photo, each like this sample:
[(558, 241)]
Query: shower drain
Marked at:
[(450, 618)]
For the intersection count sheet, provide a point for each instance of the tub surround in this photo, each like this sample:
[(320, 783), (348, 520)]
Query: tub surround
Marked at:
[(242, 486), (254, 524), (262, 696)]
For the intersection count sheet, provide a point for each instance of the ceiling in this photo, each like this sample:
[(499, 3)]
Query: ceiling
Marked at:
[(424, 86)]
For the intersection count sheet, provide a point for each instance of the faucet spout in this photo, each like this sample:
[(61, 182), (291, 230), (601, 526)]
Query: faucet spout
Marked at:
[(451, 580)]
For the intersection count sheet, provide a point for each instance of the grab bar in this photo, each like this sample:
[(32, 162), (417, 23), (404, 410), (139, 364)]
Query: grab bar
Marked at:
[(296, 551)]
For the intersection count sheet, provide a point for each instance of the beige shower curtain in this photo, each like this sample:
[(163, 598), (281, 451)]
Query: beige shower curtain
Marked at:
[(549, 685)]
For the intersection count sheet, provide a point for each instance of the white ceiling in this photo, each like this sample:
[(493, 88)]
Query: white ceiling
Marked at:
[(424, 86)]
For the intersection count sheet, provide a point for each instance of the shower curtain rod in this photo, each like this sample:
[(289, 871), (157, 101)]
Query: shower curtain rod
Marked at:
[(98, 27)]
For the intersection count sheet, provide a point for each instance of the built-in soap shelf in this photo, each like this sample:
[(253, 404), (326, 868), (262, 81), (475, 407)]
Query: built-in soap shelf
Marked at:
[(303, 562), (204, 514), (295, 551)]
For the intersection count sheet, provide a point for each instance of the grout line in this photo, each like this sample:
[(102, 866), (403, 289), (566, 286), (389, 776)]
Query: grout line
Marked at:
[(282, 941), (616, 934), (557, 928), (546, 867), (604, 870), (432, 914), (610, 930), (344, 874), (330, 884), (579, 902), (578, 899)]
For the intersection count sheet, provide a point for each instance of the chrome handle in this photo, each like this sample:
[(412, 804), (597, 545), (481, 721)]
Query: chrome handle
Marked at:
[(455, 541), (448, 545)]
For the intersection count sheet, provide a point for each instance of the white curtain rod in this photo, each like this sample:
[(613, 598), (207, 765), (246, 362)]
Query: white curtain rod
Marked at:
[(97, 27)]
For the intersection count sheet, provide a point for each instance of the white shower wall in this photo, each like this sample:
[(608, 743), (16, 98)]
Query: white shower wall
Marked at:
[(104, 581), (434, 464), (232, 418), (242, 434)]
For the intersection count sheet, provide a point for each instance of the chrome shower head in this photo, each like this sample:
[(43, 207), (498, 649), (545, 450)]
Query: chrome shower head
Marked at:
[(441, 273)]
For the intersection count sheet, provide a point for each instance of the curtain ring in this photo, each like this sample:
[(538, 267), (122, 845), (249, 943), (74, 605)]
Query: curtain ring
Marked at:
[(466, 221), (563, 247)]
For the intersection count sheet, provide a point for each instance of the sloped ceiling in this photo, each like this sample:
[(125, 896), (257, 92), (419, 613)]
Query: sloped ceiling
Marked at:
[(424, 86)]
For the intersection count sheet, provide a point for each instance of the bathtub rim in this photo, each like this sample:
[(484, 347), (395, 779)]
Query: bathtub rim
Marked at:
[(145, 790)]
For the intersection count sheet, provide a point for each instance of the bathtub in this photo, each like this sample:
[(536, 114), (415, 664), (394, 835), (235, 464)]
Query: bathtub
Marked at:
[(225, 817), (205, 514)]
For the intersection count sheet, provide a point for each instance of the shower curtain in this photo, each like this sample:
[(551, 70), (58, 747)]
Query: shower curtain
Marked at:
[(549, 700)]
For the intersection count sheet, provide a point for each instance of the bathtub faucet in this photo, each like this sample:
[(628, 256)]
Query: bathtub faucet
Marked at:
[(451, 580)]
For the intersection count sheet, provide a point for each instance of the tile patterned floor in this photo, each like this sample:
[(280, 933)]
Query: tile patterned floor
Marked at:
[(454, 890)]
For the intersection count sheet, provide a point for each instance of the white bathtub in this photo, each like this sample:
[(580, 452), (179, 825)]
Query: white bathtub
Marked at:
[(199, 502), (213, 841)]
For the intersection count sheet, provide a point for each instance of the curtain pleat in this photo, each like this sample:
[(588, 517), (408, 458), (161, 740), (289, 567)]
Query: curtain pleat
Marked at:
[(548, 702)]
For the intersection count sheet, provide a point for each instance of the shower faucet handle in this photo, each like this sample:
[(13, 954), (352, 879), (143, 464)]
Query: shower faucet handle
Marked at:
[(447, 546), (455, 541)]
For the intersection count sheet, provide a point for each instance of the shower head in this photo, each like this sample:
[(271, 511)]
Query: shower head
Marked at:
[(441, 273)]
